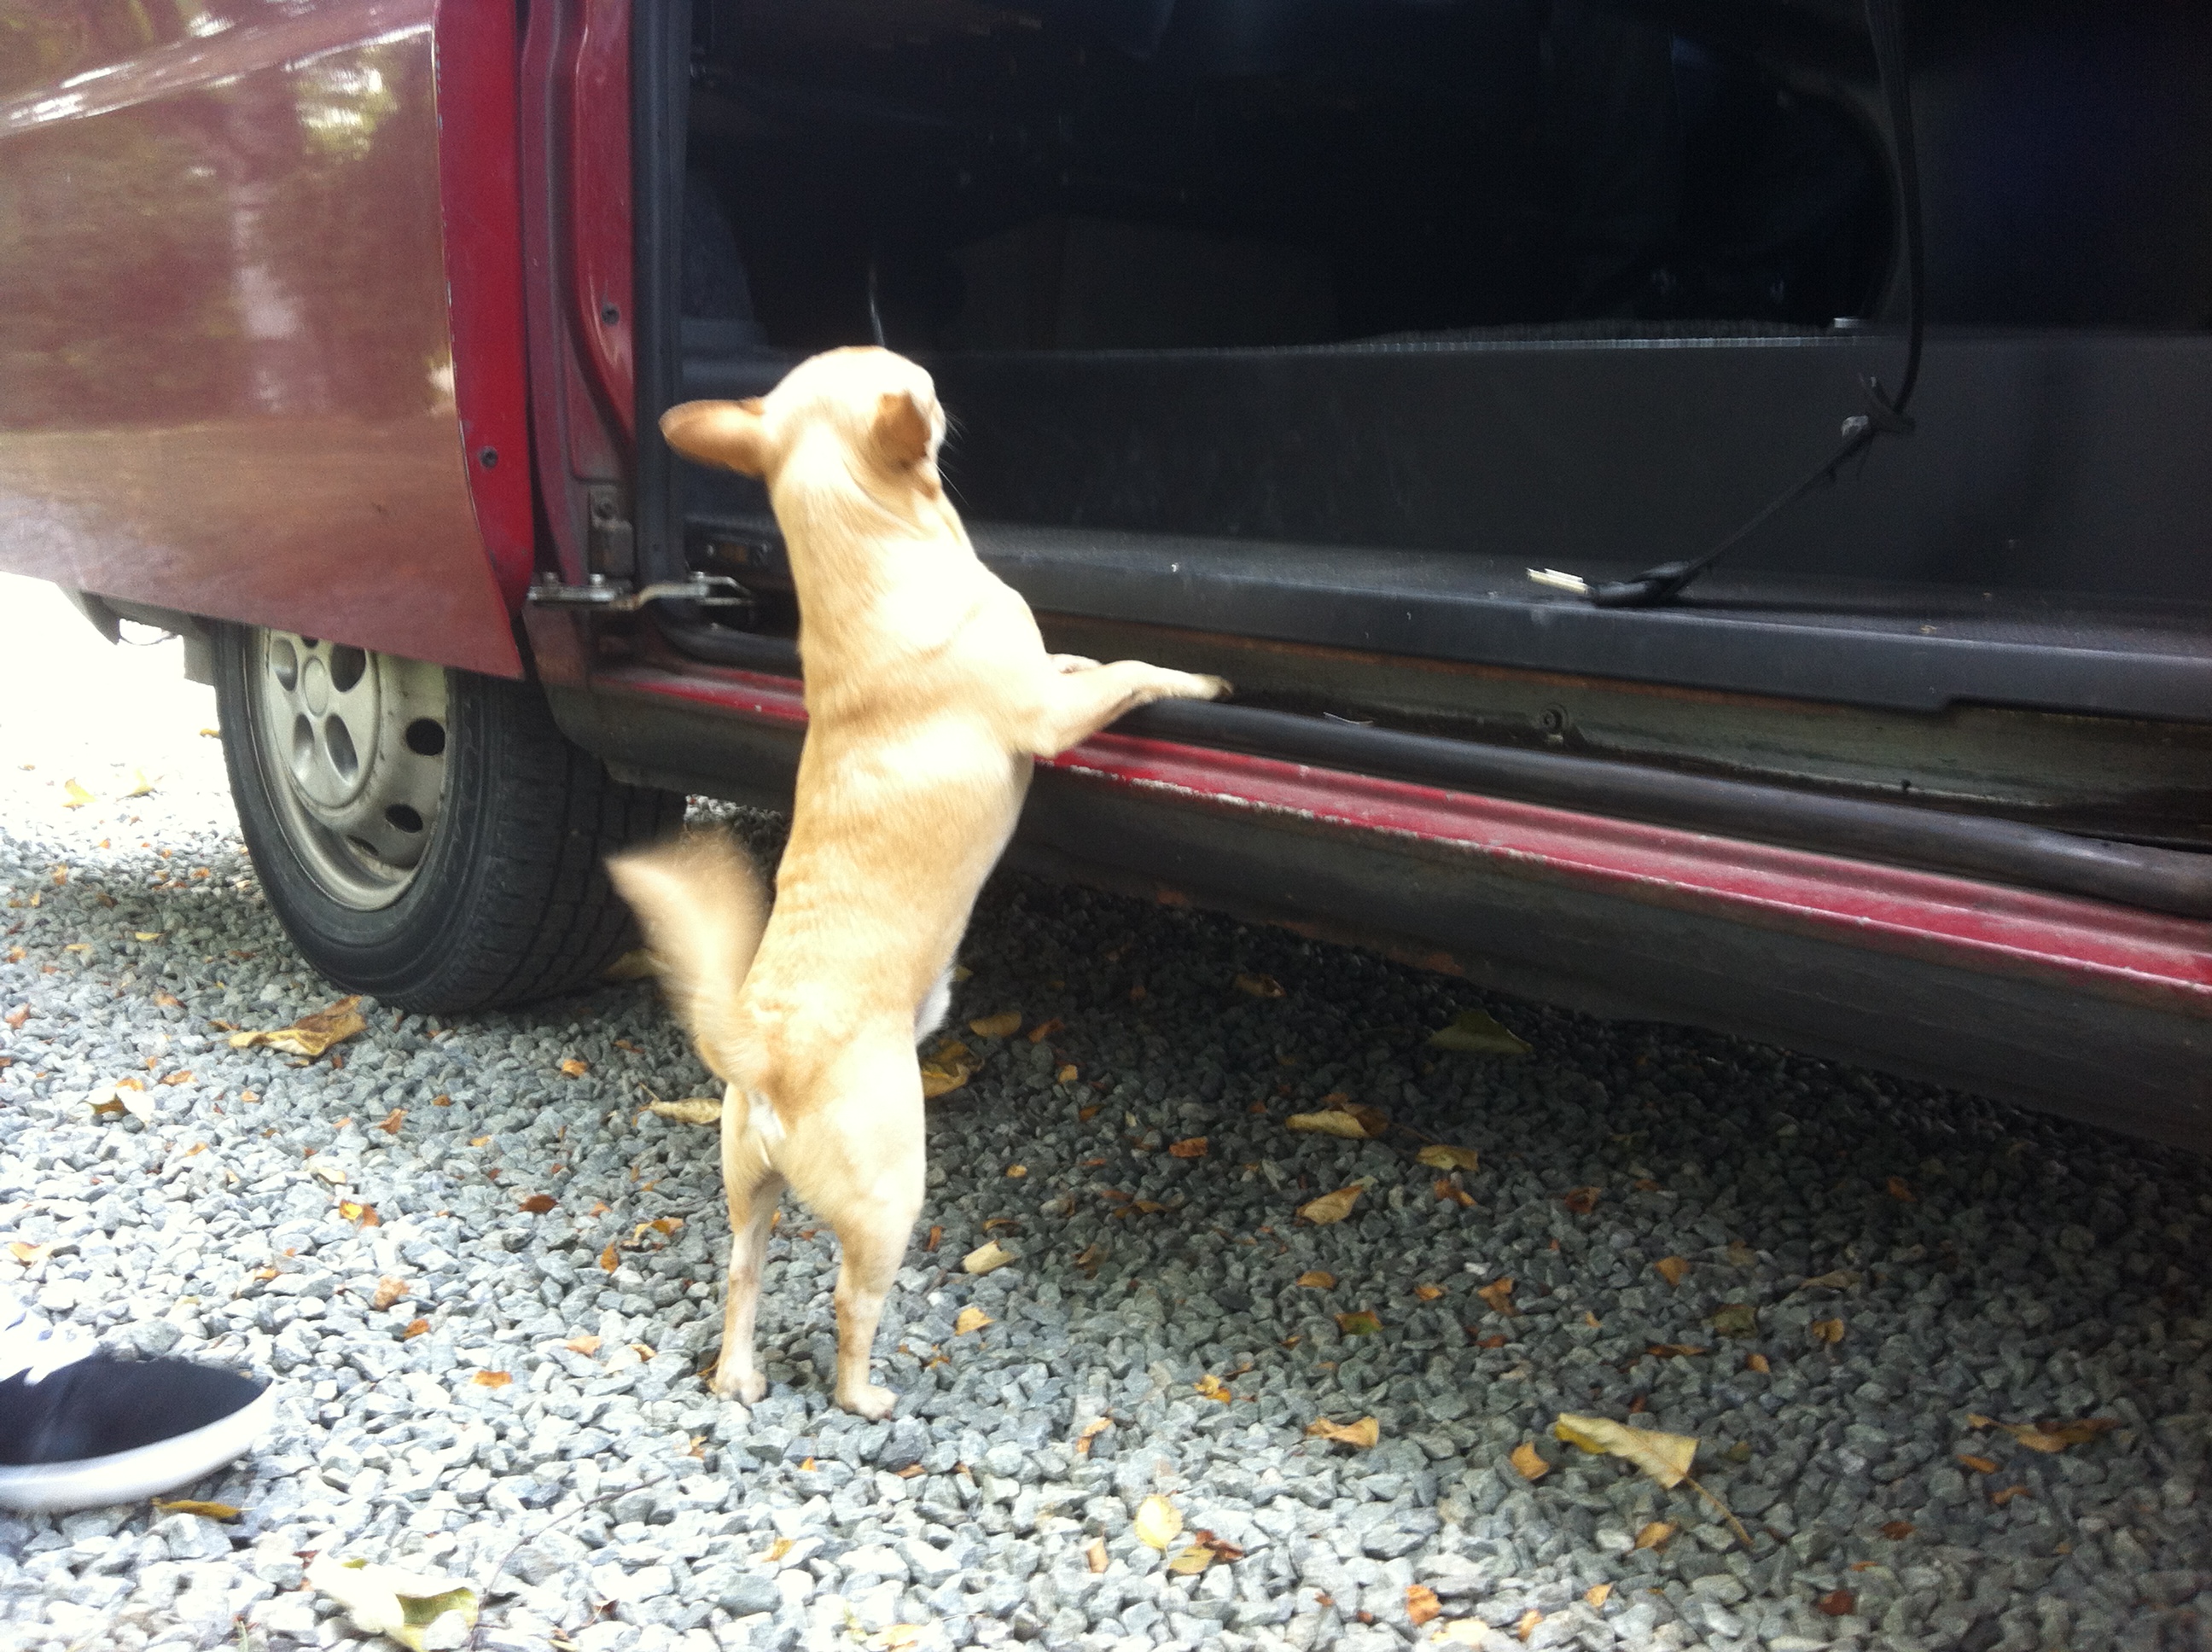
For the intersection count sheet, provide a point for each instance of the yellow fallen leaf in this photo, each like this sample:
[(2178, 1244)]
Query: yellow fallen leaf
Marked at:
[(74, 796), (692, 1109), (1474, 1033), (1529, 1462), (492, 1379), (1673, 1269), (1421, 1604), (637, 965), (586, 1346), (1157, 1524), (140, 785), (1004, 1024), (1210, 1386), (971, 1318), (387, 1600), (1067, 1075), (1438, 1157), (1499, 1293), (388, 1292), (152, 935), (1655, 1534), (987, 1257), (1597, 1595), (576, 1068), (1353, 1122), (29, 1255), (1192, 1561), (1359, 1324), (1332, 1207), (1665, 1457), (946, 1070), (310, 1035), (193, 1506), (1258, 985), (1317, 1280), (359, 1215), (1091, 1430), (1827, 1331), (1527, 1626), (414, 1328), (1428, 1292), (1362, 1434)]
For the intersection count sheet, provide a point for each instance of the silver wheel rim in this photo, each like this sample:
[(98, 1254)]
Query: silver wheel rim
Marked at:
[(353, 744)]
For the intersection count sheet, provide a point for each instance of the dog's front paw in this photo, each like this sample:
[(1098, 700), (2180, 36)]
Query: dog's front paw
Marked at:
[(868, 1401), (1202, 687), (1066, 664)]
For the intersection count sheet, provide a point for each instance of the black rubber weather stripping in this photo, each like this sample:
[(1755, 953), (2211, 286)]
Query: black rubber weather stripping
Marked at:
[(660, 86), (2173, 881)]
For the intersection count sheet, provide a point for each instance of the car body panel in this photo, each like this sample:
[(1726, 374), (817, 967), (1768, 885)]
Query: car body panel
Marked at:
[(229, 373)]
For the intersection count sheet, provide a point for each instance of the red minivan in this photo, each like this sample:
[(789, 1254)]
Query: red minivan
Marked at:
[(1303, 341)]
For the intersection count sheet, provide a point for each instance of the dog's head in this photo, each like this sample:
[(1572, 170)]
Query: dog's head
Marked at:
[(880, 407)]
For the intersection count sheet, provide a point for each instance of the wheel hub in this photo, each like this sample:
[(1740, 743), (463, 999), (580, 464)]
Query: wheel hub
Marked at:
[(355, 744)]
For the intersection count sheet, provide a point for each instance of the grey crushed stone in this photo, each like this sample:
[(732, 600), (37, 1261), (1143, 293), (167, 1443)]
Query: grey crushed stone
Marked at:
[(2039, 1270)]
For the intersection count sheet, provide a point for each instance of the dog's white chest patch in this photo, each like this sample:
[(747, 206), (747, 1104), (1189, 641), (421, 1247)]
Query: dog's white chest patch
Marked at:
[(760, 1115)]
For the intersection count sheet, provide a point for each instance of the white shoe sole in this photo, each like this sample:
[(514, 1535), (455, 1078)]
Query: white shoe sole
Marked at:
[(127, 1476)]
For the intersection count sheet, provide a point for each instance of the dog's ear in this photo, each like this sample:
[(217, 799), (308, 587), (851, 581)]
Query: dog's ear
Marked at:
[(732, 435), (902, 429)]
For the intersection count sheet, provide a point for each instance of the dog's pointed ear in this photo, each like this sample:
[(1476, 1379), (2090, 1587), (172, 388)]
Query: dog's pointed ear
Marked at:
[(902, 429), (732, 435)]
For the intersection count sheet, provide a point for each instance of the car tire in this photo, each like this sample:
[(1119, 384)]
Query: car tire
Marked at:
[(425, 836)]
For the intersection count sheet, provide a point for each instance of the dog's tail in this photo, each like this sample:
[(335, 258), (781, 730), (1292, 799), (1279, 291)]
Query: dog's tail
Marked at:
[(702, 908)]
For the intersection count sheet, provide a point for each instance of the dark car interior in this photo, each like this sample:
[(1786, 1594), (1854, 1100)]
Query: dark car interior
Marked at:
[(1285, 338)]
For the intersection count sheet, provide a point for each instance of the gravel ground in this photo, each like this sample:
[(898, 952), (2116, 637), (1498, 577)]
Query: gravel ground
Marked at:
[(1901, 1261)]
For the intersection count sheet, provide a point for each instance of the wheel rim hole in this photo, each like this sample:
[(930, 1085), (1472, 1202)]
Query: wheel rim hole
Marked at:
[(284, 666), (404, 817), (343, 757), (426, 737), (347, 667), (303, 744)]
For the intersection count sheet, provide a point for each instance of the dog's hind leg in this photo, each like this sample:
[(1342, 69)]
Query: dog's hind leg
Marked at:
[(753, 1186), (857, 1163)]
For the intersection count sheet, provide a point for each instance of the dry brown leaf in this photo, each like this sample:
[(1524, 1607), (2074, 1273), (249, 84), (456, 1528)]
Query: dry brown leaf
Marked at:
[(692, 1109), (1901, 1190), (1362, 1434), (1315, 1279), (575, 1067), (1438, 1157), (1094, 1554), (1190, 1147), (1428, 1292), (193, 1506), (183, 1076), (310, 1035), (1210, 1387), (2051, 1438), (1838, 1603), (1091, 1430), (1735, 1319), (1359, 1324), (586, 1346), (1067, 1075), (1529, 1461), (537, 1204), (1527, 1626), (388, 1292), (492, 1379), (1655, 1534), (1334, 1122), (1673, 1269), (1665, 1457), (1827, 1331), (29, 1255), (1756, 1363), (1474, 1033), (2000, 1498), (1045, 1029), (1332, 1207), (1499, 1293), (1896, 1530), (971, 1318), (1597, 1595), (946, 1070), (1841, 1278), (1421, 1604), (1157, 1523), (391, 1122), (1004, 1024), (16, 1016), (1016, 1172), (1582, 1200), (1258, 985), (1979, 1465), (611, 1258), (414, 1328), (987, 1257), (361, 1215), (390, 1601)]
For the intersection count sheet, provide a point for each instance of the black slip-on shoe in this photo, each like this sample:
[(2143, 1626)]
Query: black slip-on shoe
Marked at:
[(101, 1430)]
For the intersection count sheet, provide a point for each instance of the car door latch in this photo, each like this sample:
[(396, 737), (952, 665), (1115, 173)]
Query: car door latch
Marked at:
[(616, 597)]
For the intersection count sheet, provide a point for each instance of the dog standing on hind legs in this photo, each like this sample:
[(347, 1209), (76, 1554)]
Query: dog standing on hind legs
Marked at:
[(928, 693)]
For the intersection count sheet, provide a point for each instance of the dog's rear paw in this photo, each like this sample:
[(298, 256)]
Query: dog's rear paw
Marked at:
[(869, 1401)]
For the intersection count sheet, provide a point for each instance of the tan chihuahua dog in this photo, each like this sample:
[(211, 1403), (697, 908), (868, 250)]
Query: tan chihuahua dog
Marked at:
[(928, 692)]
